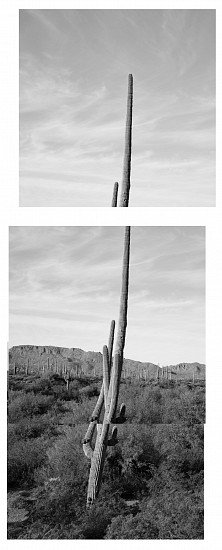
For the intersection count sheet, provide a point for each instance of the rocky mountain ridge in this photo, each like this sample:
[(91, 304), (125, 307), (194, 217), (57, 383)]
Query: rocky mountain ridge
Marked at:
[(89, 363)]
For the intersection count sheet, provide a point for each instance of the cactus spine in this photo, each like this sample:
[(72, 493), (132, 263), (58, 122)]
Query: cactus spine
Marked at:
[(124, 198), (110, 389)]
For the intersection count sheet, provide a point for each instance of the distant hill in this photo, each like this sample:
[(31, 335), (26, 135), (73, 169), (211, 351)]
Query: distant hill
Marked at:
[(89, 363)]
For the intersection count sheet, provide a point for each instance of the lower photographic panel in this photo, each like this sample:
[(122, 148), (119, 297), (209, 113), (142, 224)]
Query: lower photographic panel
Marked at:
[(106, 382)]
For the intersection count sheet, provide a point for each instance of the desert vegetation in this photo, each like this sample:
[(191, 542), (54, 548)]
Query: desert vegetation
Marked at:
[(144, 481), (152, 482)]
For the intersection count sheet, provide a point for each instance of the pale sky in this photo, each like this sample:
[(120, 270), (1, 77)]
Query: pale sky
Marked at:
[(65, 287), (74, 66)]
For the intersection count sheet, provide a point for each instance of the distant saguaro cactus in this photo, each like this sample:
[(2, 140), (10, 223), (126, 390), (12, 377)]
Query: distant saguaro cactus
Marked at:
[(111, 384), (27, 368), (124, 197), (67, 379)]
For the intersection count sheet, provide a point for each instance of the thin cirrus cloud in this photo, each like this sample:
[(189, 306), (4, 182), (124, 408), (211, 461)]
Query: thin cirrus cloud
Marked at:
[(73, 77), (65, 287)]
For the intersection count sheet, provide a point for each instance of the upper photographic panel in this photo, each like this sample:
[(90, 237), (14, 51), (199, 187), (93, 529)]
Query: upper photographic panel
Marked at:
[(123, 96)]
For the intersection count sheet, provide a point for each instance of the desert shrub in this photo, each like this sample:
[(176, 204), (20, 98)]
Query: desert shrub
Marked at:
[(163, 403), (173, 514), (23, 458), (75, 384), (89, 391), (41, 385), (33, 427), (149, 406), (184, 408), (14, 394), (186, 454), (16, 385), (177, 511), (65, 456), (59, 502), (40, 530), (60, 392), (12, 437), (28, 405), (64, 480), (95, 521), (82, 411), (180, 446), (130, 527), (131, 463)]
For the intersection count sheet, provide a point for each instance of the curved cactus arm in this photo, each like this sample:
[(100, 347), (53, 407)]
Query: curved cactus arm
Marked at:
[(115, 194), (124, 198), (113, 439), (110, 343), (97, 410), (87, 448), (121, 418), (105, 373)]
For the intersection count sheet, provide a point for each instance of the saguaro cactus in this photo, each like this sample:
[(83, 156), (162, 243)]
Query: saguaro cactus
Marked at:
[(111, 384), (67, 379), (27, 368), (124, 198)]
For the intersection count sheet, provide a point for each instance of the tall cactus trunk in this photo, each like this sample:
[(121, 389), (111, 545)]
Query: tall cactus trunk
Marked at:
[(115, 194), (111, 393), (121, 333), (124, 198)]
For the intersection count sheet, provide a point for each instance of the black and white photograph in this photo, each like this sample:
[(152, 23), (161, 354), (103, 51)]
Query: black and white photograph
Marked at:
[(74, 71), (111, 319), (106, 382)]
